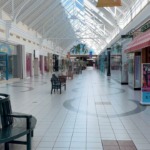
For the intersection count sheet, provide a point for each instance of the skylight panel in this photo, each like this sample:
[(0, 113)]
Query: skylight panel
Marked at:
[(79, 4), (67, 3)]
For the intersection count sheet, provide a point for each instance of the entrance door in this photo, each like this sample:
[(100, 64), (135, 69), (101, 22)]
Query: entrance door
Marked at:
[(3, 66), (36, 67), (45, 63), (41, 64)]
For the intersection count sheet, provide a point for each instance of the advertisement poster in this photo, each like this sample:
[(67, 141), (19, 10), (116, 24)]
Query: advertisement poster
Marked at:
[(145, 99)]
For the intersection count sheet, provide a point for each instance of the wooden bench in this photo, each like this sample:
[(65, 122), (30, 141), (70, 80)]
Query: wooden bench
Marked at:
[(69, 74), (63, 79), (14, 125)]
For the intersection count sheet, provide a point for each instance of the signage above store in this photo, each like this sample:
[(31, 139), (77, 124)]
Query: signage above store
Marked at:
[(145, 27), (127, 36)]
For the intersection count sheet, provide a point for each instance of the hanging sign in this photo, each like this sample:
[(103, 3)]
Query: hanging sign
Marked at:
[(108, 3), (90, 54), (145, 89)]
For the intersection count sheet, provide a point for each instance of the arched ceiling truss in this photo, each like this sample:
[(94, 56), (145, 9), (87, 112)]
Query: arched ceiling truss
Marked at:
[(68, 22)]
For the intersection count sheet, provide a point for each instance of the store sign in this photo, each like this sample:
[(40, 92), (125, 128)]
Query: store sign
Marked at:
[(90, 54), (127, 36), (145, 27), (145, 89), (108, 3)]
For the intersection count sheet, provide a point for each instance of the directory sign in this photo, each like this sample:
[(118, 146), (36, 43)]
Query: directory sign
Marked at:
[(145, 89)]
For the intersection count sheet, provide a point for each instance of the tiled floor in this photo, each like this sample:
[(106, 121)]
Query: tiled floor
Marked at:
[(93, 109)]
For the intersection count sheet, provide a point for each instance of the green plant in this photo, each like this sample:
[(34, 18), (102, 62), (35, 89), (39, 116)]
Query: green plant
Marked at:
[(76, 49)]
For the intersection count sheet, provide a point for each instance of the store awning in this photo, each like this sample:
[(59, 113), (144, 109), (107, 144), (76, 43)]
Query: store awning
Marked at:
[(139, 42)]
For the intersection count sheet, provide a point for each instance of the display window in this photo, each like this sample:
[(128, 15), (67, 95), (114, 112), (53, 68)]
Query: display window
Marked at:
[(45, 63), (28, 65), (8, 61)]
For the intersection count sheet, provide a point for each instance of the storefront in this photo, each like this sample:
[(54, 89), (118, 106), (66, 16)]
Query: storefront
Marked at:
[(134, 70), (102, 62), (8, 61), (116, 61), (28, 64), (50, 62), (55, 62), (124, 60), (45, 64), (138, 52), (41, 65)]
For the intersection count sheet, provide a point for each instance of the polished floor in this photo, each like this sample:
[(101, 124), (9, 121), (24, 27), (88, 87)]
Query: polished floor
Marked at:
[(94, 113)]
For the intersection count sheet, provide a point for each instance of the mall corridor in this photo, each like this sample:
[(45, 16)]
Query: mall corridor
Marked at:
[(94, 113)]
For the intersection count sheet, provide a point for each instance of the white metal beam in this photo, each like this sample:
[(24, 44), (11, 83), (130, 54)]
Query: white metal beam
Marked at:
[(56, 26), (6, 3), (45, 13), (24, 4), (27, 12)]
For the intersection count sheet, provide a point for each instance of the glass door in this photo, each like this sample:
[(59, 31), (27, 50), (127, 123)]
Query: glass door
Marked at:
[(3, 66)]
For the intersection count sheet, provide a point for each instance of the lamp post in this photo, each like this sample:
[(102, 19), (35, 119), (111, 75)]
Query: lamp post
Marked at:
[(108, 62)]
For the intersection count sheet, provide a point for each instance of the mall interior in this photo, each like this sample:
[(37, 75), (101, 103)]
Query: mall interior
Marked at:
[(77, 72)]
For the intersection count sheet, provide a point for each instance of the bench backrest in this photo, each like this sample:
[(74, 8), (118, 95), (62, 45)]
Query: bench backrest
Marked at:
[(62, 79), (54, 80), (5, 109)]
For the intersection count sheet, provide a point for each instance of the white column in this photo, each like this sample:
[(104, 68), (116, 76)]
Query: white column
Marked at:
[(8, 28)]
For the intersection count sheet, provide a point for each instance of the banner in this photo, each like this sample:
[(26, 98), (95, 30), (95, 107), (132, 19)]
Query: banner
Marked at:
[(90, 54), (108, 3), (145, 89)]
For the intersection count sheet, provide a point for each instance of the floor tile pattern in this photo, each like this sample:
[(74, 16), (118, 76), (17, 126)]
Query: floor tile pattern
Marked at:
[(118, 145), (94, 108)]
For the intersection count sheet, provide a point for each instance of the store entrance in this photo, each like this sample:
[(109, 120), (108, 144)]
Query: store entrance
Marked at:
[(3, 66), (28, 65)]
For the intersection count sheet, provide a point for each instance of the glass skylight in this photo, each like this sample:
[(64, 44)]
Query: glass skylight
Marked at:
[(97, 26)]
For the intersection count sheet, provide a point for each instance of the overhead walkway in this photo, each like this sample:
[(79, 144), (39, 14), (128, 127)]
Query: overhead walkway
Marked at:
[(94, 113)]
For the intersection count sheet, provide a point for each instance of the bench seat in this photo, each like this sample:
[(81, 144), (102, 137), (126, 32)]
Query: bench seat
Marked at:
[(14, 125), (17, 129)]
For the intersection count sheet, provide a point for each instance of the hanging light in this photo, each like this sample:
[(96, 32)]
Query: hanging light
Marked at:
[(108, 3)]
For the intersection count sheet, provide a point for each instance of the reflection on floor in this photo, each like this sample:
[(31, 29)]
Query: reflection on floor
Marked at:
[(93, 112)]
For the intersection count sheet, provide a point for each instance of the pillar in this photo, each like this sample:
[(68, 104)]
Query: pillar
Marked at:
[(108, 62)]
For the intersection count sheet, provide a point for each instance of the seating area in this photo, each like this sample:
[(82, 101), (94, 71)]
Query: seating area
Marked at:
[(94, 112), (57, 83), (14, 125)]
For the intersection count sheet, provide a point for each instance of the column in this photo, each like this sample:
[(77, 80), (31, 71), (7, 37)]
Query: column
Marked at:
[(108, 62)]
